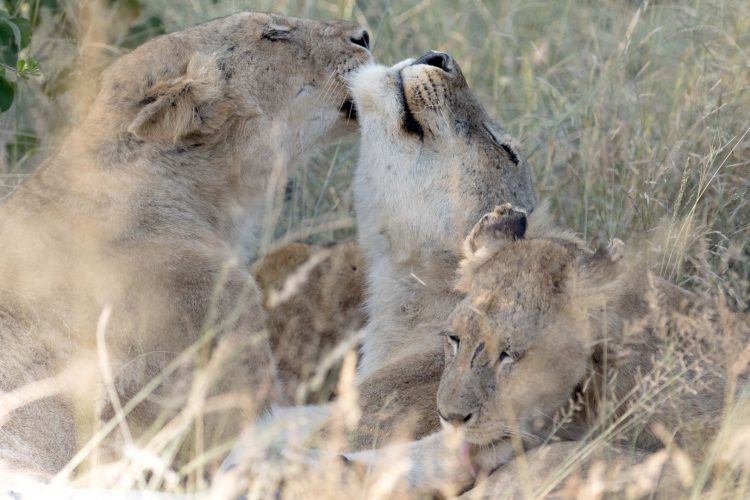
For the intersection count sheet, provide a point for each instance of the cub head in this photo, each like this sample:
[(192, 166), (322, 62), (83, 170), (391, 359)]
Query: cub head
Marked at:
[(429, 150), (520, 341), (262, 77)]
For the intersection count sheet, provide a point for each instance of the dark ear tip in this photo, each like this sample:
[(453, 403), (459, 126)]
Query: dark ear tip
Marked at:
[(512, 224)]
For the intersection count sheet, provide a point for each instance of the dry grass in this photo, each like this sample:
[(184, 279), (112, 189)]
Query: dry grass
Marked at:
[(634, 118)]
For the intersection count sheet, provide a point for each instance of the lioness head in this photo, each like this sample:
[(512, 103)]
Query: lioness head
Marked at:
[(265, 78), (520, 341), (431, 158)]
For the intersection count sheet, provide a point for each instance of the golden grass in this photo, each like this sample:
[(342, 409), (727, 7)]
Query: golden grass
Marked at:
[(634, 116)]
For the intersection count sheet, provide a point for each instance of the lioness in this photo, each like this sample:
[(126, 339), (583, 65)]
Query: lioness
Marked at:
[(139, 228), (431, 163)]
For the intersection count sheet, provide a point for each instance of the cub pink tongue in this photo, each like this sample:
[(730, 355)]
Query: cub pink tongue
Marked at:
[(464, 456)]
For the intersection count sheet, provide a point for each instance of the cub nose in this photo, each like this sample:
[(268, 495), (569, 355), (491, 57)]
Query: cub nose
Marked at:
[(437, 59), (361, 38), (457, 419)]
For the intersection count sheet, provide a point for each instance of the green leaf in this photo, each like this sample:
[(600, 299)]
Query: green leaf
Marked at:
[(15, 31), (24, 28), (27, 67), (7, 91)]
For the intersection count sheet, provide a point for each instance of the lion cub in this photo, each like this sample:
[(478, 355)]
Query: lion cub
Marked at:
[(552, 338), (553, 341), (313, 297)]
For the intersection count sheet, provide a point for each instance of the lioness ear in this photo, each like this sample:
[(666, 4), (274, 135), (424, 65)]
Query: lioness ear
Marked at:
[(493, 231), (275, 32), (189, 104)]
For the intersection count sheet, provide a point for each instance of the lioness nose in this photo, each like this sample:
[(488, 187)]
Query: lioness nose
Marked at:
[(437, 59), (457, 419), (361, 38)]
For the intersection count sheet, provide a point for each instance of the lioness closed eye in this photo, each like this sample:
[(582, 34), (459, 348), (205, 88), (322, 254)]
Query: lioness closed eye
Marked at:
[(149, 212)]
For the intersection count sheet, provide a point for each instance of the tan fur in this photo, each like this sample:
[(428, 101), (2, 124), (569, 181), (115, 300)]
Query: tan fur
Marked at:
[(545, 321), (325, 307), (417, 195), (152, 206)]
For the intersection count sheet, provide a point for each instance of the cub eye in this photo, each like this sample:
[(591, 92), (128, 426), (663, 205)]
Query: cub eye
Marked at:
[(504, 361)]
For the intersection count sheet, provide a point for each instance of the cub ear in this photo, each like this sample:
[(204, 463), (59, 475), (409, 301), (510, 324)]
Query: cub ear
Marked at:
[(189, 104), (602, 269), (493, 231)]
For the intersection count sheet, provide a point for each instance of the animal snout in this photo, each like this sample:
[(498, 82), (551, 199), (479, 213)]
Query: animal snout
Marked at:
[(457, 419), (362, 38), (440, 60)]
